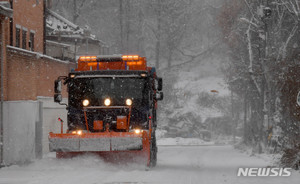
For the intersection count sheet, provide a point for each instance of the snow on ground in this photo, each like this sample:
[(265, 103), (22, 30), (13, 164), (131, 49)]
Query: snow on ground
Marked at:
[(176, 164)]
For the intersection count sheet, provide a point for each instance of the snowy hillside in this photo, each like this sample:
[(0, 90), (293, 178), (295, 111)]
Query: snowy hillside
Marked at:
[(194, 93)]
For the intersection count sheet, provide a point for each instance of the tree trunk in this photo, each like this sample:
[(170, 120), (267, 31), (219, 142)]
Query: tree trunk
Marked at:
[(245, 118), (75, 9), (157, 52), (121, 27), (128, 27)]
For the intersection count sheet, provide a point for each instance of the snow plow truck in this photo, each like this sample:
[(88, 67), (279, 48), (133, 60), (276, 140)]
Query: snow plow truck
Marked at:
[(112, 103)]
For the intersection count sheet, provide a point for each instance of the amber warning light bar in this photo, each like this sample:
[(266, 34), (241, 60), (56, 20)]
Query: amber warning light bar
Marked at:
[(107, 58), (102, 58), (130, 58), (88, 58), (133, 62)]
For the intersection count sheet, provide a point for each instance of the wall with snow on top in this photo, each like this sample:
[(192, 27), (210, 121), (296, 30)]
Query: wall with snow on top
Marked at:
[(19, 131), (51, 112), (26, 128)]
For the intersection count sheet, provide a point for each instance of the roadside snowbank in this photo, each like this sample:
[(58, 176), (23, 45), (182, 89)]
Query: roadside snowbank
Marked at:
[(178, 141)]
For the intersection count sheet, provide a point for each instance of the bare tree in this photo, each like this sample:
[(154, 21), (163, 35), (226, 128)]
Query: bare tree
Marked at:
[(261, 39)]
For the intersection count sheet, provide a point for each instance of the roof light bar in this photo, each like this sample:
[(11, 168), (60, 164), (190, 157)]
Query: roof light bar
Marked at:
[(130, 58), (112, 62), (88, 58), (113, 58), (101, 58)]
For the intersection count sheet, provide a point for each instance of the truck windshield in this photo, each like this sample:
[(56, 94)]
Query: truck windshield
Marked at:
[(118, 89)]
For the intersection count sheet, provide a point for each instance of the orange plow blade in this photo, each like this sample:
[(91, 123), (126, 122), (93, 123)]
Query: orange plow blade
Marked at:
[(112, 146)]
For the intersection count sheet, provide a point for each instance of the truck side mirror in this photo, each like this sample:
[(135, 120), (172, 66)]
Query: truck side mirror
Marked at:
[(57, 86), (160, 84), (58, 89), (159, 96), (298, 98), (57, 98)]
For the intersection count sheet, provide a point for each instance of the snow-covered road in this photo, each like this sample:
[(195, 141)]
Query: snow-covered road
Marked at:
[(176, 164)]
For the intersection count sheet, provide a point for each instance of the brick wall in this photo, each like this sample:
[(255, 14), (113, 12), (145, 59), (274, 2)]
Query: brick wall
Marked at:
[(4, 42), (29, 15), (30, 75)]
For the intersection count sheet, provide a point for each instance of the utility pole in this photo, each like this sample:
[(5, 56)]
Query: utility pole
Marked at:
[(87, 33), (245, 116), (233, 118)]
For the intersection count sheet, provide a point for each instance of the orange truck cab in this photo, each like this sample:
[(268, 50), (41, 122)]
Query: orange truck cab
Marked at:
[(112, 103)]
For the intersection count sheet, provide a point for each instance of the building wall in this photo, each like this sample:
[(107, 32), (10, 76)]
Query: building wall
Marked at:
[(31, 75), (4, 41), (28, 14)]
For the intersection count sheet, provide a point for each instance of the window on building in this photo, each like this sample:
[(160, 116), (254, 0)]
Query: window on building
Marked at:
[(24, 42), (18, 31), (31, 41), (11, 35)]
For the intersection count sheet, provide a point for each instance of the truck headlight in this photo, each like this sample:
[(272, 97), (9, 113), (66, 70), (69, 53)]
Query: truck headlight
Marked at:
[(137, 131), (85, 102), (107, 102), (79, 132), (129, 102)]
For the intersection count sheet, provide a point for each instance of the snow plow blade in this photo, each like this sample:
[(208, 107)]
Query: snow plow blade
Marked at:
[(98, 142)]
